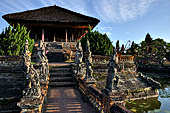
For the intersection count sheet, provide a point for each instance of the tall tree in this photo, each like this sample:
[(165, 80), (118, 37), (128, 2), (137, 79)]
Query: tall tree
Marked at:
[(122, 49), (148, 41), (133, 49), (117, 46), (148, 38)]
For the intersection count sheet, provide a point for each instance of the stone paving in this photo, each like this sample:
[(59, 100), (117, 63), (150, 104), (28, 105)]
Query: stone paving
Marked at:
[(66, 100)]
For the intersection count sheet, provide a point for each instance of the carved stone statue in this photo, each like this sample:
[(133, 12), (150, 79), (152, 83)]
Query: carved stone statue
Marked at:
[(33, 89), (112, 78), (42, 58), (26, 57), (41, 52), (115, 81), (88, 51), (32, 93), (79, 55), (44, 71), (78, 59), (89, 70)]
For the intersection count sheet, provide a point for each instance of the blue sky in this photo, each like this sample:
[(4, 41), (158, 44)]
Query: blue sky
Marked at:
[(121, 19)]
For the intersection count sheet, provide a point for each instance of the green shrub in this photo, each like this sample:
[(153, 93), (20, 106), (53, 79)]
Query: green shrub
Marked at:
[(100, 44), (12, 40)]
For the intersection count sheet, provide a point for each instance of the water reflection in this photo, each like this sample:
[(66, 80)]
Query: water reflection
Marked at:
[(164, 93), (154, 105), (144, 105)]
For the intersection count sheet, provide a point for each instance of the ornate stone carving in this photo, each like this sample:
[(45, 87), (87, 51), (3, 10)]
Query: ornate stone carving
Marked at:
[(41, 52), (78, 59), (112, 78), (42, 58), (89, 70), (33, 93), (26, 57), (33, 89)]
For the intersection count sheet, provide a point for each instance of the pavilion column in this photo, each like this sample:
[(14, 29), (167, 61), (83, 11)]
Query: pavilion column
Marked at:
[(66, 36), (54, 38), (36, 36), (42, 34), (72, 37)]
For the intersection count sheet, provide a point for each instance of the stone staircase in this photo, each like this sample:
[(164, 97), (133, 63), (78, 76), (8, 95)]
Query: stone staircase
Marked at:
[(55, 52), (61, 75)]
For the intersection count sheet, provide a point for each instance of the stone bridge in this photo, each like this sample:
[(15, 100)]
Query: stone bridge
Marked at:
[(36, 87)]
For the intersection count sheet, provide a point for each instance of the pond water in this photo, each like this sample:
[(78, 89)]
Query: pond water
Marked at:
[(154, 105)]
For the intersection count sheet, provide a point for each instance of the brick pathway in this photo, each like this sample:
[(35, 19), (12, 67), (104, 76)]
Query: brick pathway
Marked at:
[(66, 100)]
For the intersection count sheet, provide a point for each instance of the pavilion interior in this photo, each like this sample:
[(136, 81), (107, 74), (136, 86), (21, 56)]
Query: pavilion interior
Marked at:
[(52, 34)]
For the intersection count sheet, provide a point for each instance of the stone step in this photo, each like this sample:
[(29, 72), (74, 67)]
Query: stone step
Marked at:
[(60, 79), (56, 57), (11, 70), (56, 60), (59, 84), (62, 73), (60, 69), (10, 111), (51, 49), (56, 53), (59, 65), (11, 82), (54, 45), (12, 78), (65, 74)]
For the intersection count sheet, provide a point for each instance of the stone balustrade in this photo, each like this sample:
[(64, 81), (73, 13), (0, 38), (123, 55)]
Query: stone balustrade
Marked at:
[(102, 101), (63, 44), (37, 77), (119, 58), (125, 58), (99, 100), (100, 59)]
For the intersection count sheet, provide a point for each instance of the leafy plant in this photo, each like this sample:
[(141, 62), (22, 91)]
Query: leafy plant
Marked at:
[(100, 44), (12, 40)]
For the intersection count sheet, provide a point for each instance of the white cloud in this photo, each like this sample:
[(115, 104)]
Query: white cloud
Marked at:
[(9, 6), (107, 10), (108, 33), (122, 10), (106, 28)]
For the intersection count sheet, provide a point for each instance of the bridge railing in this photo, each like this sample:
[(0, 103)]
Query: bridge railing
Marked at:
[(36, 80), (119, 58), (103, 101), (100, 58)]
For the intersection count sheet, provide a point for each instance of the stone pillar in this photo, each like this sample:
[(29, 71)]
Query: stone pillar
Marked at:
[(42, 34), (66, 36), (89, 71), (36, 36), (54, 38)]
